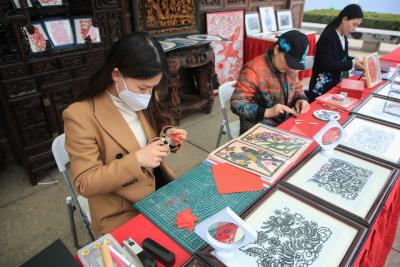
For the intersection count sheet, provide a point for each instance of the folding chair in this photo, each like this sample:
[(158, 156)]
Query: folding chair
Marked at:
[(80, 204), (225, 92)]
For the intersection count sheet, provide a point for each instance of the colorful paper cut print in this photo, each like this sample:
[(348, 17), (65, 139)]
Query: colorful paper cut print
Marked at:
[(283, 143), (341, 178), (251, 158), (37, 40), (228, 55)]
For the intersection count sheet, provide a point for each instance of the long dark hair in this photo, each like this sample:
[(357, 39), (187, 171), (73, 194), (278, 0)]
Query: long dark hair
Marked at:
[(352, 11), (136, 56)]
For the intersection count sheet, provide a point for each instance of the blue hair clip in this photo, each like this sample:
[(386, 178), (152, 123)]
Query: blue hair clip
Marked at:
[(284, 44)]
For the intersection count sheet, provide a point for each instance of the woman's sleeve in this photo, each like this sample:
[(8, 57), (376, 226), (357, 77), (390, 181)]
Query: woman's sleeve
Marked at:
[(90, 176), (243, 101), (325, 54)]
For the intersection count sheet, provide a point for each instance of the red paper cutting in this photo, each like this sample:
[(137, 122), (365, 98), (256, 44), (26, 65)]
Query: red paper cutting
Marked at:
[(185, 219), (230, 179)]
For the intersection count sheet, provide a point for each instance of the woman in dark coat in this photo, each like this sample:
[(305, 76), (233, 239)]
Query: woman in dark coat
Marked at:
[(332, 61)]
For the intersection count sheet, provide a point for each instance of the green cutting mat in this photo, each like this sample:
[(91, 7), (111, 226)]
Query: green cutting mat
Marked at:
[(195, 190)]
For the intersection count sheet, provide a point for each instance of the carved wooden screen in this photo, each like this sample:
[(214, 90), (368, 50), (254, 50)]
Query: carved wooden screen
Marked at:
[(166, 16)]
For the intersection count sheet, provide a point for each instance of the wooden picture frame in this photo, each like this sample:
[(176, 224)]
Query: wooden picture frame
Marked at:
[(341, 236), (229, 56), (16, 3), (60, 32), (372, 69), (49, 3), (387, 91), (268, 19), (347, 182), (379, 108), (284, 18), (372, 138), (83, 28), (252, 23), (37, 40)]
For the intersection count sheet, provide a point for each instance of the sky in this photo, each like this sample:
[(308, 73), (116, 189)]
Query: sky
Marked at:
[(381, 6)]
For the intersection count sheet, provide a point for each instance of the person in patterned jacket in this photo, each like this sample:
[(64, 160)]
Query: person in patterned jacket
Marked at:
[(268, 89)]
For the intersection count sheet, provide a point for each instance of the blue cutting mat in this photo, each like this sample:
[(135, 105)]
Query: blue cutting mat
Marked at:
[(195, 190)]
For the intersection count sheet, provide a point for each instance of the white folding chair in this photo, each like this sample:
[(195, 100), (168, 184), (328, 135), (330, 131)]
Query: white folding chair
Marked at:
[(80, 204), (225, 92)]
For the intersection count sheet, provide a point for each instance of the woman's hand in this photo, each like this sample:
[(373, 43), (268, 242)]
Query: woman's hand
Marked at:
[(177, 136), (276, 110), (152, 154), (302, 106), (359, 64)]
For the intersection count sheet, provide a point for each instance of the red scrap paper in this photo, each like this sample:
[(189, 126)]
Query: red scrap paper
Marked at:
[(230, 179), (185, 219)]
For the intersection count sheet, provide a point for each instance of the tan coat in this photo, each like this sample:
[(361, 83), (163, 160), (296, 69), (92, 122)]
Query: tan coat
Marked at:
[(104, 167)]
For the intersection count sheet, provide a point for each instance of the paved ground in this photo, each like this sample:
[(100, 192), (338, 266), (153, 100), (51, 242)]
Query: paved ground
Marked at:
[(33, 217)]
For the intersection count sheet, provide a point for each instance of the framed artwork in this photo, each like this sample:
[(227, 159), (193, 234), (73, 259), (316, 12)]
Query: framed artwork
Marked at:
[(228, 55), (389, 90), (83, 28), (50, 2), (294, 231), (380, 108), (37, 40), (285, 20), (252, 23), (344, 181), (282, 142), (60, 32), (372, 69), (267, 164), (268, 20), (263, 150), (17, 4), (373, 138)]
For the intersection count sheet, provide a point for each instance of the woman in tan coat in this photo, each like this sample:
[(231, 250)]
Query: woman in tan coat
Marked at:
[(112, 129)]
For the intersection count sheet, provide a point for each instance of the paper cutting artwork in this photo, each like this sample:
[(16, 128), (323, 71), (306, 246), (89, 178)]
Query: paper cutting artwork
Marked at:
[(279, 142), (341, 178), (257, 160), (392, 108), (372, 70), (372, 140), (37, 40), (84, 29), (228, 54), (288, 239)]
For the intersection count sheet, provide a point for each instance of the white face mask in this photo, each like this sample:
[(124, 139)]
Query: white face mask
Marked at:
[(133, 100)]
